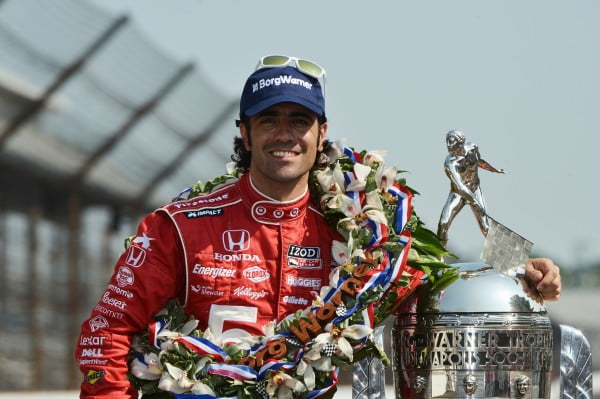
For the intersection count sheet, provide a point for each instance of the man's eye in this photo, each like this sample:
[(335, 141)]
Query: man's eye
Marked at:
[(301, 122), (268, 121)]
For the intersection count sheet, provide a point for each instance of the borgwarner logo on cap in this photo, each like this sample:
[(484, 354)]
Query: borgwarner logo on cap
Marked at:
[(279, 80)]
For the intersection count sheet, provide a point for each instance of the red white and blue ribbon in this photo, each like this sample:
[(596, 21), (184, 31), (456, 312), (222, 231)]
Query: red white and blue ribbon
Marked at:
[(320, 392), (233, 371), (380, 234), (395, 272), (203, 347), (154, 329), (403, 208), (274, 365)]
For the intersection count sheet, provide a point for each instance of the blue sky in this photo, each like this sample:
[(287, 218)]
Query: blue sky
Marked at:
[(519, 78)]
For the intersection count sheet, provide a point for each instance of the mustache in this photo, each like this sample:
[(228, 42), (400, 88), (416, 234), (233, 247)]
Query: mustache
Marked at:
[(282, 145)]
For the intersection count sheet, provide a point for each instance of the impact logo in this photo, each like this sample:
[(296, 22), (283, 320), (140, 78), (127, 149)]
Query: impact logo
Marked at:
[(301, 257), (204, 212), (236, 240)]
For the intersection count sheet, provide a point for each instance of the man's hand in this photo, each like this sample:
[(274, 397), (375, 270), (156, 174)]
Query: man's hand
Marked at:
[(543, 275)]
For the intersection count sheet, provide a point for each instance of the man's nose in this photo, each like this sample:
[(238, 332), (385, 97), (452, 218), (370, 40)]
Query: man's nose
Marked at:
[(285, 130)]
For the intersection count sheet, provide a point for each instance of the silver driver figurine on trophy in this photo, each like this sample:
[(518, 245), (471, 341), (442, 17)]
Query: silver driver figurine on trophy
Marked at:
[(488, 334)]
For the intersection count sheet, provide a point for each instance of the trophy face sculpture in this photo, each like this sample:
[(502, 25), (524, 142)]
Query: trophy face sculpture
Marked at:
[(487, 334)]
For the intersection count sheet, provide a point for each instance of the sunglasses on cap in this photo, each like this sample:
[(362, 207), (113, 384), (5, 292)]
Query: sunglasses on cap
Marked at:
[(305, 66)]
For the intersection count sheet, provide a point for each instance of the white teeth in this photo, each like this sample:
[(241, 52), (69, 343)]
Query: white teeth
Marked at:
[(283, 153)]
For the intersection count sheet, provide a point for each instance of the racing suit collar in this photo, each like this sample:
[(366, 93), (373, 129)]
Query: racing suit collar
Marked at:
[(268, 210)]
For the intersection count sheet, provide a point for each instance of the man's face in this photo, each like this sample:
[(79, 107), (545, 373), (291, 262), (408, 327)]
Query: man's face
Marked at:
[(284, 140)]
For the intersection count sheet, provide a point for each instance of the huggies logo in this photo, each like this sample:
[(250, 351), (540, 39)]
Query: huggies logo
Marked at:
[(236, 240), (281, 79)]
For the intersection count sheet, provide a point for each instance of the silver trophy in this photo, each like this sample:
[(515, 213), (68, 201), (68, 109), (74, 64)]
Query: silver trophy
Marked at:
[(488, 334)]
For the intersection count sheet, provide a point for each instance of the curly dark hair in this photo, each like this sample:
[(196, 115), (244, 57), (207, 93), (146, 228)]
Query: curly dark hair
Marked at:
[(242, 157)]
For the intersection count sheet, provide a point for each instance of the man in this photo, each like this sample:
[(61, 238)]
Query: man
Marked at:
[(245, 254)]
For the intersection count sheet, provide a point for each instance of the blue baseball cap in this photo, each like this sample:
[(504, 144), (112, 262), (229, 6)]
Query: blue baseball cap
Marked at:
[(269, 86)]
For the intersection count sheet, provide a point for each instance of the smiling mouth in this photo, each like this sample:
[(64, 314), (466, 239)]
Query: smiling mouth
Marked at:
[(283, 154)]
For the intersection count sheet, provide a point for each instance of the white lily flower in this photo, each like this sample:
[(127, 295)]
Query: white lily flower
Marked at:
[(149, 369), (175, 380), (230, 167), (166, 333), (334, 151), (374, 156), (337, 336), (201, 388), (340, 252), (306, 371), (208, 335), (350, 206), (283, 385), (189, 327), (359, 180), (385, 177), (332, 180), (203, 362), (269, 329)]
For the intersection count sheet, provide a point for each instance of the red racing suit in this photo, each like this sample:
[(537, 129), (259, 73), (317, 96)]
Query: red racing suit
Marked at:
[(235, 258)]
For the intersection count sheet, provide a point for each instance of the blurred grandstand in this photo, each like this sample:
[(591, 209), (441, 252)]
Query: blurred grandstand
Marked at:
[(97, 126)]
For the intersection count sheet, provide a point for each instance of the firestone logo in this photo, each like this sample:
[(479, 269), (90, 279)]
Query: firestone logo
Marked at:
[(200, 201), (256, 274)]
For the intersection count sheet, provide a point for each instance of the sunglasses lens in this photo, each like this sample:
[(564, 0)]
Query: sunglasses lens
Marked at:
[(275, 60), (310, 67)]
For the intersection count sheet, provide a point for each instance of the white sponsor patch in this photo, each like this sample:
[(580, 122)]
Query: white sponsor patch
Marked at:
[(256, 274), (91, 352), (213, 271), (247, 291), (205, 290), (295, 300), (295, 281)]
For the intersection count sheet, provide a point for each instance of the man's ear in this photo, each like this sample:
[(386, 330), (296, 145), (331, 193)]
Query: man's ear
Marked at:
[(322, 134), (245, 137)]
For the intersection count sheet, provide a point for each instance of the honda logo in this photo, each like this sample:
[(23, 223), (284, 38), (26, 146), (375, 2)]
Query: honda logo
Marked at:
[(236, 240), (135, 256)]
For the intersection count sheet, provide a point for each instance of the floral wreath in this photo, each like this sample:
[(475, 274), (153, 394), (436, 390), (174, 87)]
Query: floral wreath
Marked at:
[(386, 254)]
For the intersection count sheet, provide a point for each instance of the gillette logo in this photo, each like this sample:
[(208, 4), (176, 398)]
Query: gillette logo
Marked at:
[(281, 79)]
